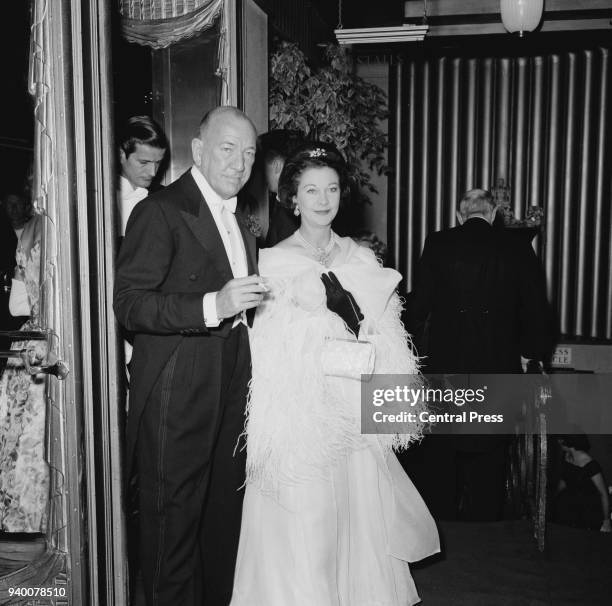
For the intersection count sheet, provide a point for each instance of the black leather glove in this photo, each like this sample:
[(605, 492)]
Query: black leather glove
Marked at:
[(342, 302)]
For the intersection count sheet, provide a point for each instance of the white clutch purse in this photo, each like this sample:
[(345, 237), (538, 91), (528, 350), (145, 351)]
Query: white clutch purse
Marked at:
[(348, 358)]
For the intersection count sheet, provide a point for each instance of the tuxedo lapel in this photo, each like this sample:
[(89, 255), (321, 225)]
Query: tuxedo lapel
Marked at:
[(249, 243), (202, 224)]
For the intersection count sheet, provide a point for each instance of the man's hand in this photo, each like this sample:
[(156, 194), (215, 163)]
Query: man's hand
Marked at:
[(240, 294)]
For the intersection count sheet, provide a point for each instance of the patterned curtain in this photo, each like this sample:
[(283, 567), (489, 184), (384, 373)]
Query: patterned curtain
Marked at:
[(160, 23)]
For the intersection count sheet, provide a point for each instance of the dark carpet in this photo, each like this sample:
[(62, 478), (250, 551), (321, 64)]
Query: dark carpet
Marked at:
[(498, 564)]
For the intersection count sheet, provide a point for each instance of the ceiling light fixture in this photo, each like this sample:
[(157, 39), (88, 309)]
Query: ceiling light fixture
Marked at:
[(376, 35), (521, 15)]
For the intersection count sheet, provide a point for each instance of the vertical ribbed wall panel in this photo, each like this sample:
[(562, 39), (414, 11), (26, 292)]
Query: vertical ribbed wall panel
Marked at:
[(520, 131), (552, 253), (537, 138), (542, 123), (446, 210), (396, 218), (503, 117), (584, 167), (567, 225), (426, 138), (485, 156), (602, 170), (471, 136), (440, 167)]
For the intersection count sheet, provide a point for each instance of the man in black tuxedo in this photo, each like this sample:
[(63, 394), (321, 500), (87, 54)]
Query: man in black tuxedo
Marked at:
[(481, 292), (143, 149), (186, 275), (143, 155), (276, 146)]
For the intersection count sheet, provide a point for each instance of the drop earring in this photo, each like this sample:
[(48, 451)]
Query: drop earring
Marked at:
[(296, 211)]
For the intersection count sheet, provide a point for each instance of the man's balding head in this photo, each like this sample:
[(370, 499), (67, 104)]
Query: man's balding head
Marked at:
[(224, 150), (477, 203)]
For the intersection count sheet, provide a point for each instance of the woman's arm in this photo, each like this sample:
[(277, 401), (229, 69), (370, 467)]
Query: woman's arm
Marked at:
[(598, 480)]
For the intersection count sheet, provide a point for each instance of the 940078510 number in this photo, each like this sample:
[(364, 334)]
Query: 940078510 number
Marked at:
[(40, 592)]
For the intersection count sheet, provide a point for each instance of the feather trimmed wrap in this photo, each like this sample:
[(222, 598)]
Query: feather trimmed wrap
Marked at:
[(300, 421)]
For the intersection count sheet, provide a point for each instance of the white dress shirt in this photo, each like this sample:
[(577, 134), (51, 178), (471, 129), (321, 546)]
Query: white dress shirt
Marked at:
[(129, 196), (223, 214)]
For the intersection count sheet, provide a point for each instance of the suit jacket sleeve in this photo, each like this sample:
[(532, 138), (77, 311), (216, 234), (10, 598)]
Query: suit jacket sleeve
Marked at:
[(145, 259), (537, 323), (420, 301)]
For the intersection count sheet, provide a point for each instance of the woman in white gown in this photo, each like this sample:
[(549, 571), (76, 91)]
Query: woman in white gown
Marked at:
[(329, 516)]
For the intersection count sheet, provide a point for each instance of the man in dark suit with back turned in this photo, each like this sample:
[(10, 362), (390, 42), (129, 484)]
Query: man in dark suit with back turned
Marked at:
[(186, 274), (482, 292)]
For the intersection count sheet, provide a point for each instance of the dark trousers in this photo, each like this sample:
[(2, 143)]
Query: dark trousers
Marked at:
[(190, 474), (482, 483), (460, 477)]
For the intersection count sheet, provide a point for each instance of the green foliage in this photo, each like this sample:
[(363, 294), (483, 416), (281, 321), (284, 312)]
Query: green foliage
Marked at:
[(330, 104)]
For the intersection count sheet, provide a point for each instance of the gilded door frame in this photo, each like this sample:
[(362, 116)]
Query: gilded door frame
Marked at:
[(86, 552)]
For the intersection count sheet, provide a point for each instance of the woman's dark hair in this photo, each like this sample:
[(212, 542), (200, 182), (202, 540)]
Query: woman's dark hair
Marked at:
[(578, 441), (315, 154)]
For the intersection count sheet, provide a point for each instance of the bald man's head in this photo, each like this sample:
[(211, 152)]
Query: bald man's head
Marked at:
[(224, 151), (476, 203)]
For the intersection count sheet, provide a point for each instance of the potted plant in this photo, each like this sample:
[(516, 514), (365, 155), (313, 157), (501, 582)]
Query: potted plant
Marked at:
[(331, 103)]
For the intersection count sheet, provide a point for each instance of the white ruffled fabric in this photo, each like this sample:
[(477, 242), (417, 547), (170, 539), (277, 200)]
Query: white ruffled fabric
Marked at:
[(299, 419), (329, 517)]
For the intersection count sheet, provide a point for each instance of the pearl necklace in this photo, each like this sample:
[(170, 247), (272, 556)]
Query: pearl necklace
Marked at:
[(321, 255)]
